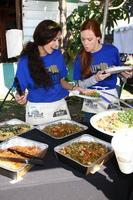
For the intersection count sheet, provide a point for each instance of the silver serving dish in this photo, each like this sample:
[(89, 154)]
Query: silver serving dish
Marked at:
[(10, 128), (86, 169), (55, 123), (7, 170)]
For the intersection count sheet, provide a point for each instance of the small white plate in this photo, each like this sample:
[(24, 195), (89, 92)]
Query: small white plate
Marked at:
[(87, 97), (77, 93), (115, 70)]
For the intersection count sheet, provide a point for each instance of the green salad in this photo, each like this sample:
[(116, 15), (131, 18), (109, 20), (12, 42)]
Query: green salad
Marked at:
[(126, 117)]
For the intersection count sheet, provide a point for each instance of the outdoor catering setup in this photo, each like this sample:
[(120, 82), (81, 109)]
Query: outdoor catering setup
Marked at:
[(14, 159), (70, 141), (59, 155), (111, 122), (62, 132)]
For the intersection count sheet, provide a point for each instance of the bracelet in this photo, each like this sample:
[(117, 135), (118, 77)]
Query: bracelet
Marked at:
[(74, 86)]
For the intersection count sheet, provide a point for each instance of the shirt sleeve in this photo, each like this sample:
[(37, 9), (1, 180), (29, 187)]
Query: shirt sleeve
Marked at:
[(88, 82)]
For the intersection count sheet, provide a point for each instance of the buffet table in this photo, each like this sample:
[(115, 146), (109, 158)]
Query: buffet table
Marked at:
[(57, 181)]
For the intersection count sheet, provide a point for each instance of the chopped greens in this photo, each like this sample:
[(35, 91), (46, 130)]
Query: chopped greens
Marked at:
[(126, 117)]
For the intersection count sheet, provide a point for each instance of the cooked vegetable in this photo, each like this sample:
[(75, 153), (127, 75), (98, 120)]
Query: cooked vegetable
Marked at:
[(84, 152), (116, 121), (126, 117), (9, 130), (91, 93), (62, 129)]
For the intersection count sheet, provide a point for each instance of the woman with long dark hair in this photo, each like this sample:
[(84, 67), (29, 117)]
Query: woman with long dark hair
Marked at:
[(41, 71)]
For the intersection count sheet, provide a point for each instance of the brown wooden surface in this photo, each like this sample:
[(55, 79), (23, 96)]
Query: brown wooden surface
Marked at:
[(10, 17)]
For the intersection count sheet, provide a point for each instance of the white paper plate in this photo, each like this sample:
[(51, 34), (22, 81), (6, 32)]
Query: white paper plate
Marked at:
[(101, 115), (76, 93), (115, 70), (87, 97)]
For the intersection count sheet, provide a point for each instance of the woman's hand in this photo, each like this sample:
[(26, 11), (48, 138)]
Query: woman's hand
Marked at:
[(77, 88), (69, 86), (21, 99), (127, 74), (101, 75)]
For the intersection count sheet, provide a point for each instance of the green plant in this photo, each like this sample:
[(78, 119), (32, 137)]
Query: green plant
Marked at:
[(94, 9)]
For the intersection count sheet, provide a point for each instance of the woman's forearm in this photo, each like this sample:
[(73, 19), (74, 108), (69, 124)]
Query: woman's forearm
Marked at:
[(87, 82), (70, 86), (67, 85)]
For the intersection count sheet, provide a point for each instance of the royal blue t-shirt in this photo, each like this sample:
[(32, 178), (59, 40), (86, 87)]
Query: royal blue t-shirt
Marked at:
[(57, 69), (108, 55)]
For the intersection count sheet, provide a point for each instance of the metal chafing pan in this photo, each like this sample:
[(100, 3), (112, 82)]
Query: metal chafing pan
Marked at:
[(19, 141), (41, 127), (86, 169), (9, 126)]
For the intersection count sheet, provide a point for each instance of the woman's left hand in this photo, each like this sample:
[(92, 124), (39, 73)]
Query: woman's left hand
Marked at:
[(80, 89), (101, 75)]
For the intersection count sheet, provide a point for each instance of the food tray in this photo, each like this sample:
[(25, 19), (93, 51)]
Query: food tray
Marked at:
[(86, 169), (10, 131), (83, 127), (19, 141)]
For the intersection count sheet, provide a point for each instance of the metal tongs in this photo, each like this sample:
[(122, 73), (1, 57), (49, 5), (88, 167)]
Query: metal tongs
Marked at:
[(28, 159), (113, 104)]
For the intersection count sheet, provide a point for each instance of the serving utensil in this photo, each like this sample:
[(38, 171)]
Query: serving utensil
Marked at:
[(33, 161), (112, 69), (117, 98), (28, 159), (111, 104)]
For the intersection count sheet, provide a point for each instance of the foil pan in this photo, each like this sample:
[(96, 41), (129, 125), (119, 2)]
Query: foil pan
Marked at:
[(10, 128), (56, 123), (85, 169), (24, 168)]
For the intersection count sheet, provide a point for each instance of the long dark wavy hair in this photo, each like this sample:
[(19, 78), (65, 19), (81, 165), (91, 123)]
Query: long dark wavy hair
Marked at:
[(44, 33), (89, 24)]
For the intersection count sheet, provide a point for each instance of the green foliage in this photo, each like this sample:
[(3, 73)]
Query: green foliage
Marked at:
[(91, 10), (10, 110)]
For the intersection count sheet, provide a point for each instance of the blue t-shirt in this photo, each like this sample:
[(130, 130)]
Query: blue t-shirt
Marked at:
[(57, 69), (107, 56)]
